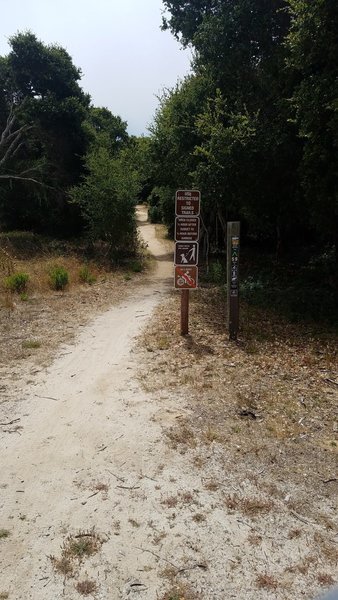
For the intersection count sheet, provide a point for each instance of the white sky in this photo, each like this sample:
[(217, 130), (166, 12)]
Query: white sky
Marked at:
[(125, 58)]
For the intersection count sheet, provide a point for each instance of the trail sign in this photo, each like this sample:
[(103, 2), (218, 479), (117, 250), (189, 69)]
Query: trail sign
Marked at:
[(187, 229), (188, 203), (186, 253), (186, 278), (233, 248), (187, 233)]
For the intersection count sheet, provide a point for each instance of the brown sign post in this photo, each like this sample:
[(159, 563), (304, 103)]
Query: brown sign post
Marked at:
[(187, 231), (233, 245)]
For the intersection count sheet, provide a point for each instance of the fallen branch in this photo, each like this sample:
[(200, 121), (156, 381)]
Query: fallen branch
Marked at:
[(297, 516), (196, 566), (10, 422), (94, 494), (117, 477), (158, 556)]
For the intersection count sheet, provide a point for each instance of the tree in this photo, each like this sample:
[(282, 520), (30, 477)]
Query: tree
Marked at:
[(41, 83), (107, 198), (106, 129), (313, 47), (247, 150)]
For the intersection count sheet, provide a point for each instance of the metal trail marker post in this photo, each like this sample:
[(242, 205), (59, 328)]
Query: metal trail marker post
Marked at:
[(187, 228), (233, 246)]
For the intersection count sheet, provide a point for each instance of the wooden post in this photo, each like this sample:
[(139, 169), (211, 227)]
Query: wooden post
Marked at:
[(184, 312), (233, 245)]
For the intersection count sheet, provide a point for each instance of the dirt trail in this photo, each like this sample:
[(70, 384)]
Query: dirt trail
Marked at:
[(86, 467), (81, 460)]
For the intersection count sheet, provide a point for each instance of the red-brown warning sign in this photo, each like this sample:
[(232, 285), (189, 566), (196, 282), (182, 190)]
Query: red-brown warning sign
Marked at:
[(188, 203), (186, 278)]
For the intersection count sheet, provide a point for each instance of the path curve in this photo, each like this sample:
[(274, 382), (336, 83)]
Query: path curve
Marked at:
[(86, 425)]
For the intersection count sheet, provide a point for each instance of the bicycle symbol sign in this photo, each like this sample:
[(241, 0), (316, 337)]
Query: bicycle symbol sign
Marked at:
[(186, 278)]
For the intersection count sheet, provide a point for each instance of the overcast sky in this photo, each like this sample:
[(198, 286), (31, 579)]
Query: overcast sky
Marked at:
[(125, 58)]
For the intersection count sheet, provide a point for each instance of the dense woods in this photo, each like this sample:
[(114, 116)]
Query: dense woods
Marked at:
[(254, 127), (66, 167)]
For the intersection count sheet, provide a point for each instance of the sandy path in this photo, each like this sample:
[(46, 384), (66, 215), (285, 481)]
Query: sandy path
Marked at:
[(86, 425)]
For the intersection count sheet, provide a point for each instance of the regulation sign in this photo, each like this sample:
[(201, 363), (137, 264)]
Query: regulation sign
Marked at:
[(186, 278), (188, 203), (187, 229), (186, 253), (234, 266)]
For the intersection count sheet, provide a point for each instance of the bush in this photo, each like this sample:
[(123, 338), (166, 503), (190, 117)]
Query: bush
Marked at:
[(135, 266), (155, 214), (86, 276), (17, 282), (58, 278)]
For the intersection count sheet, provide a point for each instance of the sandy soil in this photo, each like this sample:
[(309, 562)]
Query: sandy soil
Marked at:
[(95, 501)]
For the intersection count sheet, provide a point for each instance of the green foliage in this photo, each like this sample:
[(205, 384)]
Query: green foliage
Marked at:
[(135, 266), (107, 199), (86, 276), (31, 344), (58, 277), (17, 282), (41, 83), (4, 533), (217, 272), (256, 125), (106, 130), (155, 214), (313, 51), (162, 207), (301, 292)]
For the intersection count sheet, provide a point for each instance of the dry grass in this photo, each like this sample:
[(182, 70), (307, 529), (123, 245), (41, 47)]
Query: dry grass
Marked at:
[(265, 581), (181, 591), (74, 550), (255, 539), (87, 587), (325, 579), (199, 518), (248, 506), (294, 533), (63, 565), (212, 485), (182, 435), (271, 410), (170, 501), (100, 487), (4, 533), (134, 523), (44, 318)]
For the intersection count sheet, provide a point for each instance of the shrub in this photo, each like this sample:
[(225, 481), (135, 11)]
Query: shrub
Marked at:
[(217, 274), (155, 214), (17, 282), (58, 277), (86, 276), (136, 266)]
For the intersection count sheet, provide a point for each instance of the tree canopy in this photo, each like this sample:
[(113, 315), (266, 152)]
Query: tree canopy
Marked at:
[(54, 140), (255, 125)]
